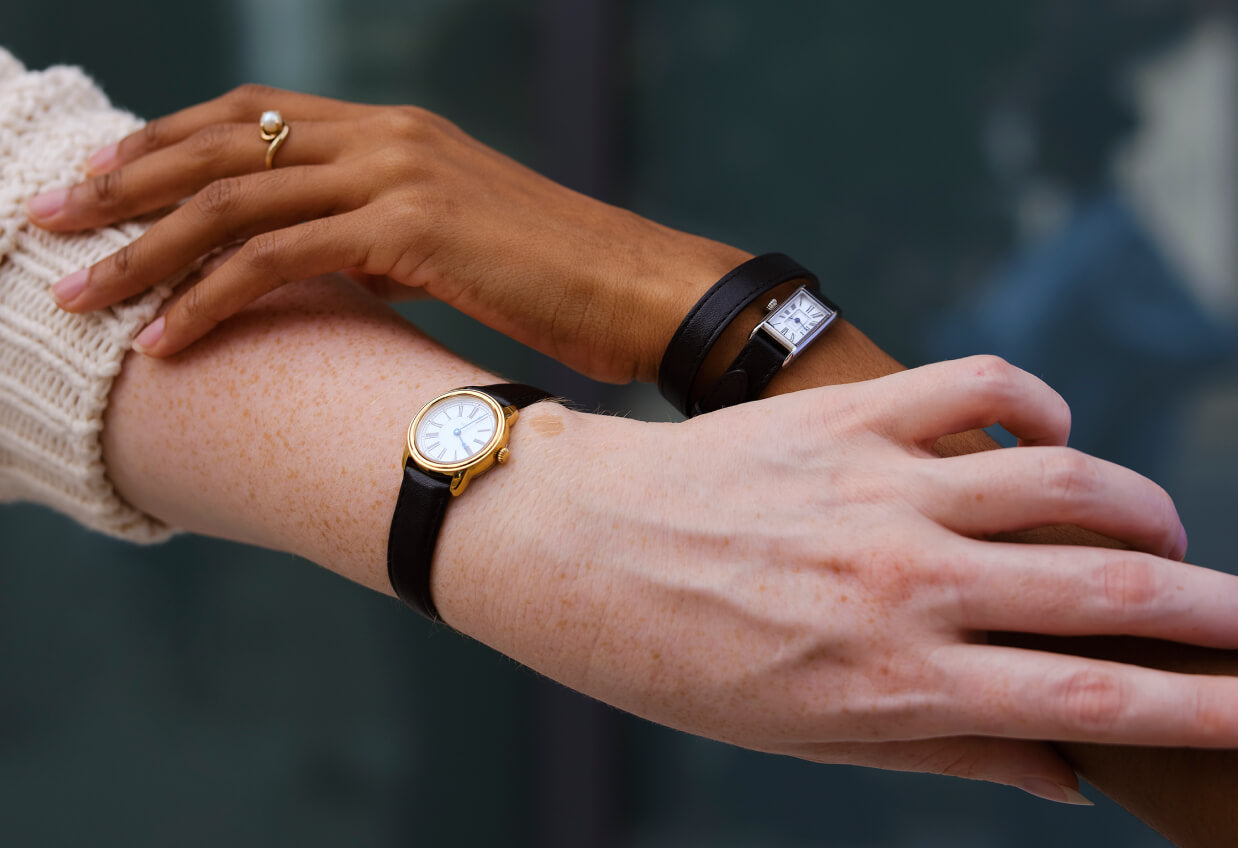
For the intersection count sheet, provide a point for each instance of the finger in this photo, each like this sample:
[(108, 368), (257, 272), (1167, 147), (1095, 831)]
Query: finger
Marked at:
[(1035, 767), (244, 104), (1076, 591), (1024, 694), (227, 210), (173, 173), (263, 264), (949, 397), (1008, 490)]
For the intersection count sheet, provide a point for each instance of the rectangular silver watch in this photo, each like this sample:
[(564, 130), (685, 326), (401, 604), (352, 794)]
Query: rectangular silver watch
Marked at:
[(797, 321)]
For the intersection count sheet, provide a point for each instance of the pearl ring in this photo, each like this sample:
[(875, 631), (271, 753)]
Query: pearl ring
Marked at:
[(272, 128)]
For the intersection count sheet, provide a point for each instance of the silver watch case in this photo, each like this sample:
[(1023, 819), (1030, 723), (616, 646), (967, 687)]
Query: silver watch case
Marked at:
[(794, 350)]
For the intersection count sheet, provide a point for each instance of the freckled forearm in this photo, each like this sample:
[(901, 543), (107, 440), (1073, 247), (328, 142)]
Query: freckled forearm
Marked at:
[(284, 428)]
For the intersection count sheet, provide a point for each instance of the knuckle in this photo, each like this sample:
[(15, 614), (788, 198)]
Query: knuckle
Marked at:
[(423, 200), (263, 251), (152, 136), (220, 198), (1130, 586), (124, 261), (251, 94), (1091, 700), (400, 163), (1067, 475), (994, 374), (844, 418), (209, 142), (105, 190), (413, 122), (405, 120), (197, 308), (1210, 716)]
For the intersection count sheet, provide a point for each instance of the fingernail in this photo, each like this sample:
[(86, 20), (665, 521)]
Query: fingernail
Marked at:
[(71, 286), (47, 204), (1051, 791), (148, 337), (1180, 551), (102, 159)]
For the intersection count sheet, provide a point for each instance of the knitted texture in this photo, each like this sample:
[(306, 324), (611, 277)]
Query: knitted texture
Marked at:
[(56, 368)]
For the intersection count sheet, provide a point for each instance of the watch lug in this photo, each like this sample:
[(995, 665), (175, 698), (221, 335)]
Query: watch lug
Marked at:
[(510, 413), (460, 481)]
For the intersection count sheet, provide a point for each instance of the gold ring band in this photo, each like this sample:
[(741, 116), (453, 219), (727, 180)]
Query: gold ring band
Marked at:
[(272, 128)]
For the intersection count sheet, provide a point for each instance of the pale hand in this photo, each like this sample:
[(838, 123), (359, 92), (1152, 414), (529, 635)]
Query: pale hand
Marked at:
[(803, 575)]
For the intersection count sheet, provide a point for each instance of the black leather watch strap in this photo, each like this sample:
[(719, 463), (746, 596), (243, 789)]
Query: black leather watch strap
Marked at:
[(513, 394), (712, 314), (418, 516), (748, 375), (419, 511)]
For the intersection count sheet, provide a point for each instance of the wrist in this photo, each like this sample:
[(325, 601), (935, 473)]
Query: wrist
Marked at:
[(490, 556), (754, 321), (671, 283), (537, 564), (563, 564)]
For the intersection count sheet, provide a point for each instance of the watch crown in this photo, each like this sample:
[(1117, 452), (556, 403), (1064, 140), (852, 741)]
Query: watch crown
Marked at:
[(502, 455), (773, 302)]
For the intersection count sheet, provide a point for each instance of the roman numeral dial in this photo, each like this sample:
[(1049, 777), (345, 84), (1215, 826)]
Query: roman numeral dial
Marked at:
[(798, 317), (455, 429)]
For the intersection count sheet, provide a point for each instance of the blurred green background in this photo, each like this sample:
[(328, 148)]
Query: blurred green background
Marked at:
[(1052, 181)]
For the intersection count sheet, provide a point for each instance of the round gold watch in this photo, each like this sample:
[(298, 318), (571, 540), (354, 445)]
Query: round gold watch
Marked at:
[(454, 438)]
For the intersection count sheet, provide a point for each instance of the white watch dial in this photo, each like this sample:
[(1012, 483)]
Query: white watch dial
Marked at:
[(455, 429), (798, 317)]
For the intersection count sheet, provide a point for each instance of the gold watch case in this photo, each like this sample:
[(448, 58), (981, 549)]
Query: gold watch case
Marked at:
[(462, 472)]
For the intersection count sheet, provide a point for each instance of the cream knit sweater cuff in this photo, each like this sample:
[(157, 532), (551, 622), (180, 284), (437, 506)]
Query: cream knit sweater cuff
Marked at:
[(56, 369)]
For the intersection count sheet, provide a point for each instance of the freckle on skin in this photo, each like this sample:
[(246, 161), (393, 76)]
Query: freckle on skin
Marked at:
[(979, 496)]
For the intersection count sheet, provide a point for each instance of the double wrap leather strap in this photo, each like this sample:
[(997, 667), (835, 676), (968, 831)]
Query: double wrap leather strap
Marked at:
[(751, 372), (712, 314), (419, 512)]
